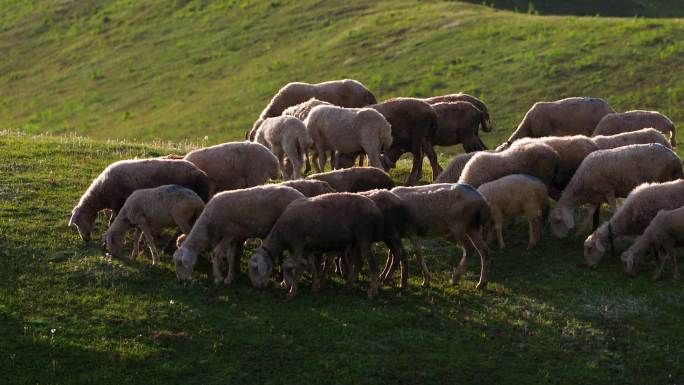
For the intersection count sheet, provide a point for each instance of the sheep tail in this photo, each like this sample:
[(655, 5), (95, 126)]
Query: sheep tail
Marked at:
[(485, 122)]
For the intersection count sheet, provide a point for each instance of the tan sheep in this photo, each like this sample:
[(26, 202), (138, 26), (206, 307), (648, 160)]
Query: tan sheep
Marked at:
[(286, 136), (120, 179), (571, 152), (348, 130), (515, 194), (609, 174), (301, 110), (633, 216), (230, 218), (344, 93), (663, 234), (643, 136), (235, 165), (537, 159), (617, 123), (355, 179), (565, 117), (457, 211), (452, 173), (151, 211)]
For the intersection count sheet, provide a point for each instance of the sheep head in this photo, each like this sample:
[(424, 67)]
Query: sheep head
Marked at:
[(185, 263), (593, 251), (561, 221), (84, 221), (260, 269), (113, 242), (629, 261)]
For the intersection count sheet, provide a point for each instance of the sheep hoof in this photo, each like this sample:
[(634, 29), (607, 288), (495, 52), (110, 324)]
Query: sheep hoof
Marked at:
[(481, 285), (283, 285), (425, 284), (228, 280), (454, 279), (217, 281)]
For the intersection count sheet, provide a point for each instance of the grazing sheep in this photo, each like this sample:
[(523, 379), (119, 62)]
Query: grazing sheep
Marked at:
[(355, 179), (632, 218), (453, 171), (617, 123), (663, 234), (458, 122), (515, 194), (235, 165), (151, 211), (609, 174), (565, 117), (309, 187), (397, 223), (301, 110), (571, 152), (344, 93), (348, 130), (286, 136), (457, 211), (536, 159), (305, 228), (413, 123), (230, 218), (644, 136), (111, 188), (486, 126)]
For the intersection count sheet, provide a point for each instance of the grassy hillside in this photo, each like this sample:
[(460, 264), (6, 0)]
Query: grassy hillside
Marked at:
[(190, 69), (70, 315)]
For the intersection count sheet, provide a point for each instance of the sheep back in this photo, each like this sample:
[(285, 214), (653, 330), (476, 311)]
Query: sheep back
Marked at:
[(458, 122), (355, 179), (310, 187), (635, 120), (643, 136), (461, 97)]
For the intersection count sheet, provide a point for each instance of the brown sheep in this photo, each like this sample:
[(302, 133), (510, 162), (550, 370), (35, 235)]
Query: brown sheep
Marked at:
[(565, 117), (117, 182), (617, 123), (460, 97), (355, 179), (344, 93), (305, 229), (309, 187)]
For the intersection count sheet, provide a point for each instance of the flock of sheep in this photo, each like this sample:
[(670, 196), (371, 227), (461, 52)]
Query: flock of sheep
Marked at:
[(577, 151)]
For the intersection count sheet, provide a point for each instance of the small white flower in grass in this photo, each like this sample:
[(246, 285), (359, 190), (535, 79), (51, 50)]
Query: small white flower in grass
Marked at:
[(206, 137), (172, 302), (52, 331)]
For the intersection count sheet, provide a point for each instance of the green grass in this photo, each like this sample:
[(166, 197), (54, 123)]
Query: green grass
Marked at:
[(183, 70), (68, 314)]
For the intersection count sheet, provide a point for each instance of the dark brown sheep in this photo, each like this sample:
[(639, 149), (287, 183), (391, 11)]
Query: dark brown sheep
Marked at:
[(119, 180), (344, 93), (305, 230), (355, 179), (487, 124)]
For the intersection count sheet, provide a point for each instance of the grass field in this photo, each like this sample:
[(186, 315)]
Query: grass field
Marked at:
[(167, 76), (71, 315)]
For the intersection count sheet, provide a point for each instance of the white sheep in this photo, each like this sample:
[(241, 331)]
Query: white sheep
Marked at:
[(515, 194), (609, 174), (643, 136), (633, 216), (452, 173), (235, 165), (230, 218), (617, 123), (286, 136), (348, 130), (150, 211), (663, 234)]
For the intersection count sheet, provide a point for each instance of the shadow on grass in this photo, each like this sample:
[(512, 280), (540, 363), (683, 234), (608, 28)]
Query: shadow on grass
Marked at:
[(617, 8)]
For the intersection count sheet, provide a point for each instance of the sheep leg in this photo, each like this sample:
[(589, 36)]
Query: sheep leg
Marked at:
[(353, 268), (362, 159), (294, 165), (314, 161), (312, 260), (534, 232), (417, 167), (398, 250), (373, 156), (281, 162), (586, 223), (432, 157), (218, 253), (147, 232), (497, 216), (385, 271), (474, 235), (307, 162), (137, 239), (233, 261), (612, 202), (421, 261), (367, 254), (661, 256), (322, 160), (675, 269)]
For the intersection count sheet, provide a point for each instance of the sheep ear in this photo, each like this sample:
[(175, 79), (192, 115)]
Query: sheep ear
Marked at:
[(73, 219), (261, 267), (599, 247)]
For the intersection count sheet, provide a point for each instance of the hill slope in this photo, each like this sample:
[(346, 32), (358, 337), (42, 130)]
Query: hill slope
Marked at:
[(115, 68)]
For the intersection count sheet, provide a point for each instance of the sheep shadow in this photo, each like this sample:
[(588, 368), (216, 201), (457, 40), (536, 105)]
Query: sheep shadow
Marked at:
[(612, 8)]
